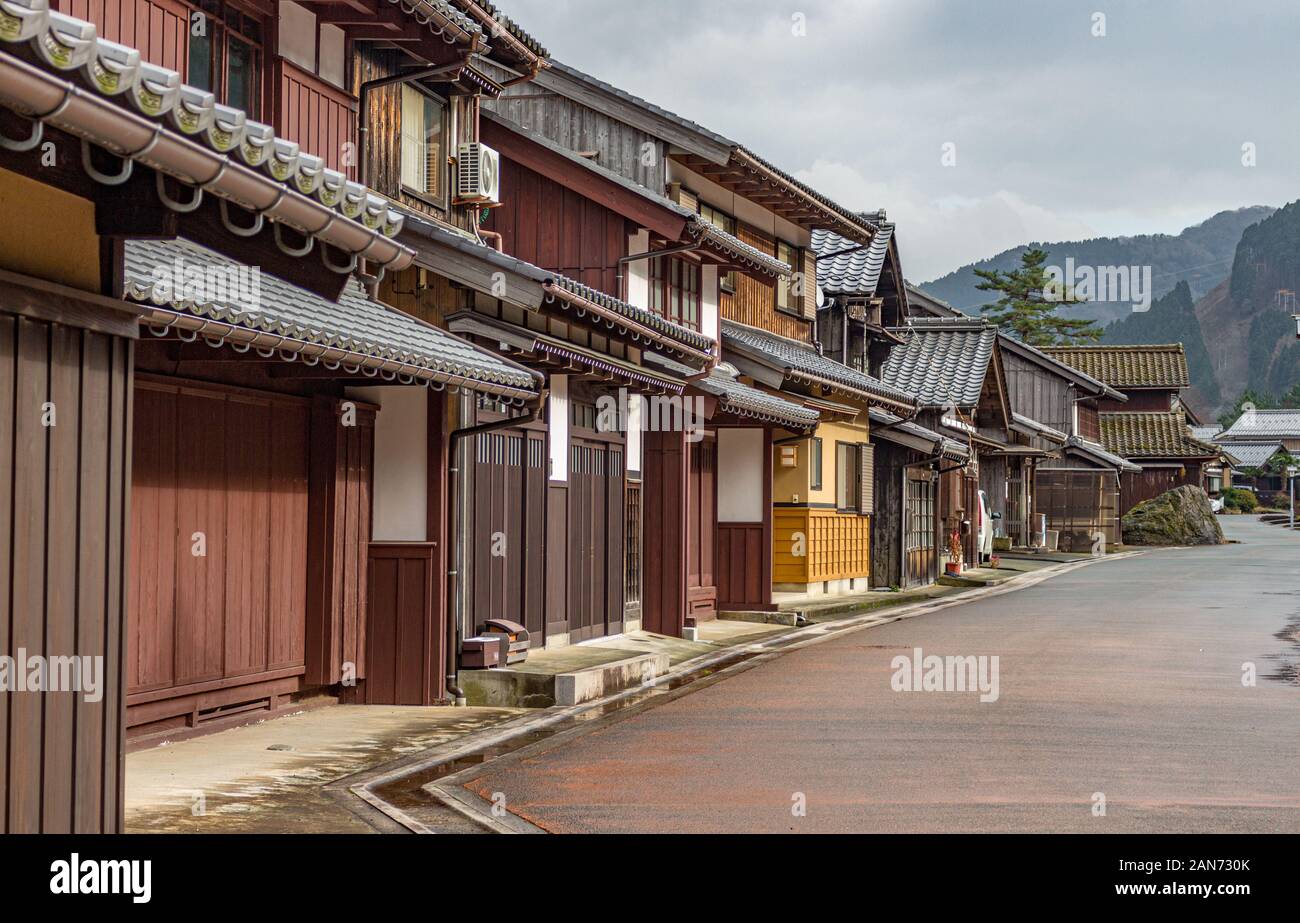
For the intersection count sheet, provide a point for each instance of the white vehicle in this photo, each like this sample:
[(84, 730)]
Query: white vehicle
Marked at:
[(983, 528), (1216, 504)]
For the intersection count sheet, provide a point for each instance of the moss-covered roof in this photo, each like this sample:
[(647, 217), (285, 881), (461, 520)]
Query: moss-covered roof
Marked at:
[(1152, 435), (1147, 366)]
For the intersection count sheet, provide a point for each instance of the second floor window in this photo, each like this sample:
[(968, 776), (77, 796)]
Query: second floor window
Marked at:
[(225, 55), (424, 157), (675, 290)]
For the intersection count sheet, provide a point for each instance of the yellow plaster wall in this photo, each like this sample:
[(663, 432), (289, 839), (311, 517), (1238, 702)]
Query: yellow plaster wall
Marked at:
[(47, 233), (791, 485)]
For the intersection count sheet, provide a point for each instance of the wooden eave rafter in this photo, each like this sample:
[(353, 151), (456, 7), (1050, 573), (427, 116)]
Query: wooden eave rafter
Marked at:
[(751, 179)]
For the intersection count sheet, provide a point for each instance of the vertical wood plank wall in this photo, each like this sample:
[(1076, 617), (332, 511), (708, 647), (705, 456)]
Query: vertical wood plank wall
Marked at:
[(664, 478), (318, 116), (63, 518), (338, 540), (158, 29), (229, 465), (550, 226)]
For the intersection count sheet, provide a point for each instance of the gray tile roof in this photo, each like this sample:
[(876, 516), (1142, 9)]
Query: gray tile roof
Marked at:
[(1096, 453), (856, 272), (802, 359), (421, 225), (950, 448), (144, 93), (747, 401), (1206, 433), (1261, 425), (632, 312), (512, 27), (366, 330), (1252, 454), (943, 360), (922, 302)]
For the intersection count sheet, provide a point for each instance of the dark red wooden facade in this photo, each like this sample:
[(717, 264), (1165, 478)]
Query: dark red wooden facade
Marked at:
[(219, 540), (64, 517), (556, 228)]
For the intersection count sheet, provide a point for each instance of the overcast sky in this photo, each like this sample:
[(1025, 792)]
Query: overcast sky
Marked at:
[(1058, 134)]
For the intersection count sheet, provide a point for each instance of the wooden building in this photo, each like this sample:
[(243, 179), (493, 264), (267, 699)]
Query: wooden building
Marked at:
[(188, 351), (1149, 428), (766, 326)]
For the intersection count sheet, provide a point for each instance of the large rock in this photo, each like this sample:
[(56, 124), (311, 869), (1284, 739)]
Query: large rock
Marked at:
[(1181, 516)]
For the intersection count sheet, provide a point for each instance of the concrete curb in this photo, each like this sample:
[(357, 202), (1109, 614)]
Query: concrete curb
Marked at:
[(449, 791)]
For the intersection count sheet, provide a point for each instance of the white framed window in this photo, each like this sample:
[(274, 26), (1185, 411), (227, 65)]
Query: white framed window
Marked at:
[(424, 155)]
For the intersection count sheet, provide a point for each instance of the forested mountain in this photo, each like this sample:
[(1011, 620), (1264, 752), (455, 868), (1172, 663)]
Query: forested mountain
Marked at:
[(1201, 255)]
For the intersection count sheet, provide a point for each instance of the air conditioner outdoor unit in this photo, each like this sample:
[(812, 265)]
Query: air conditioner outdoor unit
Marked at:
[(478, 174)]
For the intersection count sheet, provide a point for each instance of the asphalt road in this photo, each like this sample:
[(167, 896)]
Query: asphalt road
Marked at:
[(1122, 678)]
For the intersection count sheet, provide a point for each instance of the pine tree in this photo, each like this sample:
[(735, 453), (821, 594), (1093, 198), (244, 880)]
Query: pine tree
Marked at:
[(1030, 299)]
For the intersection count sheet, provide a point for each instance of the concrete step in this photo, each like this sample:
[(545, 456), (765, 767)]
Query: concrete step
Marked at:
[(520, 687)]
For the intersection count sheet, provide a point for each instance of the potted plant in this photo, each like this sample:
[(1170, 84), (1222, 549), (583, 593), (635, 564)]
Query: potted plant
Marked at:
[(953, 566)]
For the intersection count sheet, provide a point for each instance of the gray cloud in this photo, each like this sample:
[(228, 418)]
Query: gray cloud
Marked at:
[(1058, 133)]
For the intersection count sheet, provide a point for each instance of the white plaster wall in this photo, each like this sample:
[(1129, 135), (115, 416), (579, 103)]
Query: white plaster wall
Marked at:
[(634, 418), (401, 465), (557, 414), (740, 475), (637, 272), (709, 301)]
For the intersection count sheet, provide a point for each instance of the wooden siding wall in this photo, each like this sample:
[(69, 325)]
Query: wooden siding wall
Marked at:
[(887, 521), (553, 227), (509, 496), (1137, 486), (1159, 400), (158, 29), (383, 140), (837, 545), (1038, 394), (664, 478), (404, 644), (619, 147), (754, 303), (338, 540), (702, 528), (1079, 504), (230, 465), (318, 116), (64, 514)]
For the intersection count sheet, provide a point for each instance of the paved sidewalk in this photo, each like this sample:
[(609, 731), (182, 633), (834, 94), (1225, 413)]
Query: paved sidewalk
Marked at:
[(272, 777)]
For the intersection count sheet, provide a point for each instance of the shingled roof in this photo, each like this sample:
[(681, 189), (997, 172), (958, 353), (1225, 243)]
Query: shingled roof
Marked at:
[(944, 359), (1145, 366), (1152, 435), (802, 361), (1263, 425), (844, 267)]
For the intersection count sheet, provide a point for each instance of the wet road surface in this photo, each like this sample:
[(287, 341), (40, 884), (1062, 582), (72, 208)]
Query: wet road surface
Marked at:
[(1119, 686)]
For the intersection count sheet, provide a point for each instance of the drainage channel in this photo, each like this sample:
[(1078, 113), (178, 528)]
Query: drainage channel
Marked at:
[(412, 794)]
